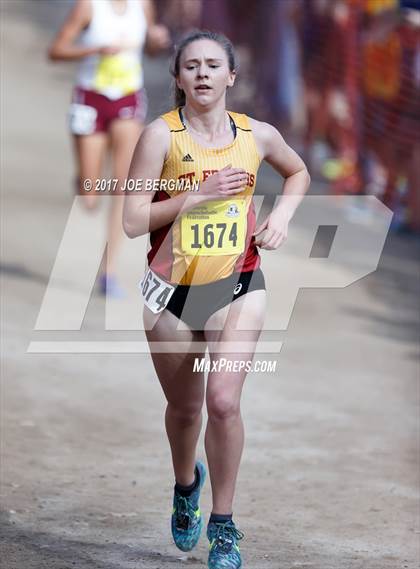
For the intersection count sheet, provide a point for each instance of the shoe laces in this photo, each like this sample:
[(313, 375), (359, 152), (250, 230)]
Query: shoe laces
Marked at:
[(184, 511), (227, 535)]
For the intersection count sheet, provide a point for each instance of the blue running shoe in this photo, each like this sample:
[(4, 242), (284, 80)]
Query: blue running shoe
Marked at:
[(224, 551), (186, 520)]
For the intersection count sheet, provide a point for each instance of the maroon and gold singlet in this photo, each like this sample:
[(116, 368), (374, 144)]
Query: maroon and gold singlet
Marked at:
[(213, 240)]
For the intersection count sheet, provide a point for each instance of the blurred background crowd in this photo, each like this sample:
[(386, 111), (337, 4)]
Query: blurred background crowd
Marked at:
[(340, 78)]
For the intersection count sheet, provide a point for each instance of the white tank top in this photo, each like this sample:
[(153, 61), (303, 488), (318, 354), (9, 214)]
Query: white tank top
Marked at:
[(114, 75)]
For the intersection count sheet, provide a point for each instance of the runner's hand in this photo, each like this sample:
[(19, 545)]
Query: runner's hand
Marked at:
[(109, 50), (158, 37), (224, 183), (276, 228)]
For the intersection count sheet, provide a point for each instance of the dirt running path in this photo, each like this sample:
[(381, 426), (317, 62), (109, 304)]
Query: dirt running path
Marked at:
[(329, 478)]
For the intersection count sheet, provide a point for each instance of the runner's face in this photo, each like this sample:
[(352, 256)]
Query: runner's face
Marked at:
[(204, 72)]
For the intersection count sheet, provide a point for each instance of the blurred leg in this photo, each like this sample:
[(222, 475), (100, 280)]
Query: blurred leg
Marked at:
[(124, 135), (90, 152)]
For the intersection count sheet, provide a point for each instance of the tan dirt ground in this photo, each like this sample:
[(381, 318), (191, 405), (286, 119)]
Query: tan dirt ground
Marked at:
[(329, 477)]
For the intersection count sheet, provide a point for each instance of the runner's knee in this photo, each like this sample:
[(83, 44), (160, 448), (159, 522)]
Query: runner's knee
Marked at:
[(184, 415), (221, 407)]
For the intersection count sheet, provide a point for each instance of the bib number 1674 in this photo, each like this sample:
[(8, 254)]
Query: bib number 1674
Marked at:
[(214, 235)]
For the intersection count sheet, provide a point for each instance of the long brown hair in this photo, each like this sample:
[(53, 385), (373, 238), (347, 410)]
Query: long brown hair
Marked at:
[(221, 39)]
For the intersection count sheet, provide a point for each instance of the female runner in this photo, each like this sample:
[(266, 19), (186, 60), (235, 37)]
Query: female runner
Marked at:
[(204, 282), (109, 101)]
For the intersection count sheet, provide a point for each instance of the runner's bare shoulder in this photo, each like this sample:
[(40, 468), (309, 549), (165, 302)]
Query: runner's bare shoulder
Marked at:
[(152, 150), (273, 148), (80, 15), (264, 133)]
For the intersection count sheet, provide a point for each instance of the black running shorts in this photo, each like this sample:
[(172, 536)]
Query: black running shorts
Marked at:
[(196, 303)]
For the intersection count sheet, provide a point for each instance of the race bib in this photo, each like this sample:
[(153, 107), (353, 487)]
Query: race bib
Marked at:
[(155, 291), (118, 71), (215, 228), (82, 119)]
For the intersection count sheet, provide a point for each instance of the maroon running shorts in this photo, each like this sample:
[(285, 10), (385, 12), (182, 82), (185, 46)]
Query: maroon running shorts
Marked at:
[(92, 112)]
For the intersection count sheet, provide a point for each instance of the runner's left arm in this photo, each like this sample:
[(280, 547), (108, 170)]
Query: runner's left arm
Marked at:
[(274, 150), (64, 47)]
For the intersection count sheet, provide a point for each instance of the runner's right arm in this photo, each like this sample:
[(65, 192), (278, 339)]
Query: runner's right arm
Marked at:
[(63, 47), (140, 215), (158, 37)]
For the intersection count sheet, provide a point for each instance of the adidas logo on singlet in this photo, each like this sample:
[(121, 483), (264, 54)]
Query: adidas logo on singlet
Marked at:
[(188, 158)]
